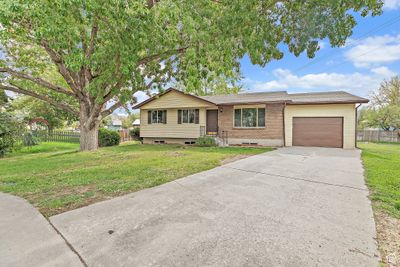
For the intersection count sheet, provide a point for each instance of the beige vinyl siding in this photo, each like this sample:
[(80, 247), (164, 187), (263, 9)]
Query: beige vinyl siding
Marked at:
[(172, 101), (171, 129), (177, 100), (347, 111)]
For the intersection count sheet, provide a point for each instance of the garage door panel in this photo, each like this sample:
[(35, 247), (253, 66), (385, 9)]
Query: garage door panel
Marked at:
[(318, 131)]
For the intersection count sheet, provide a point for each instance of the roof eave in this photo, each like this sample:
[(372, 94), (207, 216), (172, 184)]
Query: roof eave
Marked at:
[(328, 102), (254, 103)]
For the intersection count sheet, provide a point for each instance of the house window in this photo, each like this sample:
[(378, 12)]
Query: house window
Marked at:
[(157, 116), (188, 116), (249, 117)]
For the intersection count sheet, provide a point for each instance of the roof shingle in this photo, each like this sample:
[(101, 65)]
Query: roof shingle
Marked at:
[(326, 97), (242, 98), (275, 97)]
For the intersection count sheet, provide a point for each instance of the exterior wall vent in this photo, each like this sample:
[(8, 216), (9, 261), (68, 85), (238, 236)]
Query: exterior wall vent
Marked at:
[(190, 142), (250, 143)]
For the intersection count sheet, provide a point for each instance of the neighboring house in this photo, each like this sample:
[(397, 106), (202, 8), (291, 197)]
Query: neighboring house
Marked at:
[(136, 123), (115, 125), (325, 119)]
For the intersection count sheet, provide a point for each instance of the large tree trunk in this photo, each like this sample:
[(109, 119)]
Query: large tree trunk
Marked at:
[(89, 138), (89, 121)]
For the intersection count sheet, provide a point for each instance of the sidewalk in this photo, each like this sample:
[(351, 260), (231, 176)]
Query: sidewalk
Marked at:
[(27, 238)]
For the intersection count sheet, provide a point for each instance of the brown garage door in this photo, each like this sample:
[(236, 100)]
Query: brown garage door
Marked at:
[(318, 131)]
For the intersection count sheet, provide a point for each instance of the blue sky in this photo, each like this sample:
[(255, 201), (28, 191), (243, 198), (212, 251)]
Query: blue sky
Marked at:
[(371, 55)]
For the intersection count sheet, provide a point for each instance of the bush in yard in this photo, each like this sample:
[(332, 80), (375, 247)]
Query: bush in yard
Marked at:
[(9, 132), (135, 133), (30, 139), (108, 138), (205, 141)]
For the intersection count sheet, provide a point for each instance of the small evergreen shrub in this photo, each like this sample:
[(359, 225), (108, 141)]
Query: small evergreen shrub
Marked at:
[(135, 133), (108, 138), (205, 141), (30, 139)]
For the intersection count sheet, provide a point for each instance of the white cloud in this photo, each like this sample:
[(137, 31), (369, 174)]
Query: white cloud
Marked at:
[(321, 45), (391, 4), (374, 50), (383, 71), (358, 83)]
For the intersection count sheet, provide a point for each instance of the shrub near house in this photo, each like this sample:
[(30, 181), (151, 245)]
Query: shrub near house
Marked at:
[(135, 133), (108, 138), (205, 141)]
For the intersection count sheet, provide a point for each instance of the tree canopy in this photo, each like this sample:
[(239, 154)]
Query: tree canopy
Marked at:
[(3, 100), (100, 52), (384, 111), (30, 108)]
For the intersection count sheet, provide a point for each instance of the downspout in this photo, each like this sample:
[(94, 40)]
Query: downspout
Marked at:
[(356, 130), (284, 126)]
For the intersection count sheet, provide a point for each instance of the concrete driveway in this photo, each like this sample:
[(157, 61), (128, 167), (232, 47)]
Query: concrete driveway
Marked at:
[(289, 207)]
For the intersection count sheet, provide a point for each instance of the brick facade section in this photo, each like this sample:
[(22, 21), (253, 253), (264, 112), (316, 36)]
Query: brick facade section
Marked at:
[(273, 124)]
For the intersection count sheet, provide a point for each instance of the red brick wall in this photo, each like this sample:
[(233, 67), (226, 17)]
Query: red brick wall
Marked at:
[(273, 124)]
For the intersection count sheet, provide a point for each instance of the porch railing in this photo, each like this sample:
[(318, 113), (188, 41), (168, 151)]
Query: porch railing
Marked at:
[(224, 135)]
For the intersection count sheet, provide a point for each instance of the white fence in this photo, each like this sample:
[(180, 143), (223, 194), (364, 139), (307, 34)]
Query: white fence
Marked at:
[(378, 136)]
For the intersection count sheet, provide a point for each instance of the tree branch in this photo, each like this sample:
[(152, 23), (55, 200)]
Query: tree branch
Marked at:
[(55, 57), (38, 81), (57, 104), (163, 54), (93, 37), (111, 109), (108, 89)]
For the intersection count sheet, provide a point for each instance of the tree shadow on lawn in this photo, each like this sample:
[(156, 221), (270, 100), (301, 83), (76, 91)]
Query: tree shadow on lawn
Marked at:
[(63, 153)]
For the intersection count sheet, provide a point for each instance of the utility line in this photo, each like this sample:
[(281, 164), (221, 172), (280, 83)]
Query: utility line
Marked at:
[(366, 34)]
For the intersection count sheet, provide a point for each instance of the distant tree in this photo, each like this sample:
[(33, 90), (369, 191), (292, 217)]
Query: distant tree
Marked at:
[(386, 118), (384, 111), (388, 93), (32, 108), (127, 122), (106, 50)]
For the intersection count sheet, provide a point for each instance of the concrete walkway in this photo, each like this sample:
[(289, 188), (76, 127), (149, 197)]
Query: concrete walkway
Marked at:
[(27, 238), (289, 207)]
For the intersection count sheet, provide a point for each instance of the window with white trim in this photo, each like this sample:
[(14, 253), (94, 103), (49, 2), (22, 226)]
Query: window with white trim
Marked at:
[(188, 116), (157, 116), (249, 117)]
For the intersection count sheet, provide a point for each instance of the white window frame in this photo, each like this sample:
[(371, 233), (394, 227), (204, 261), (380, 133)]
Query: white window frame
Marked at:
[(188, 115), (241, 118), (158, 118)]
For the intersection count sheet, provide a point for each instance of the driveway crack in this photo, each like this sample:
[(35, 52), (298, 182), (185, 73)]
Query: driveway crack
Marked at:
[(68, 244), (297, 178)]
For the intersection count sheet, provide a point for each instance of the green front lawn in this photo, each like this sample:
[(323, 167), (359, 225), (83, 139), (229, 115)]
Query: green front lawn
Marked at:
[(55, 177), (382, 167)]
